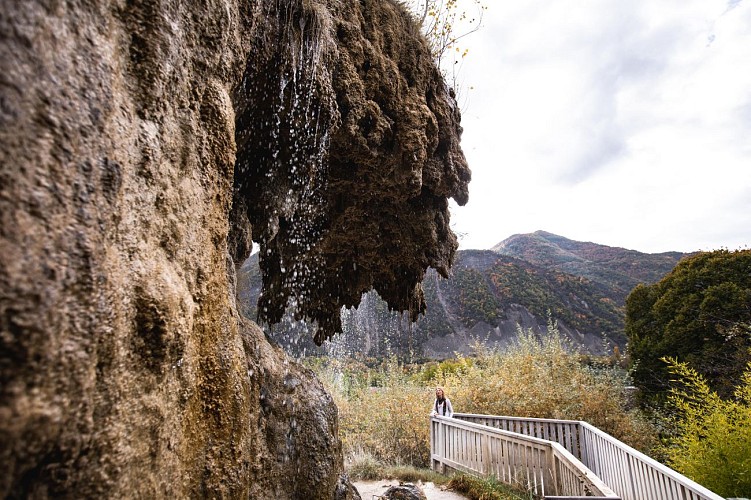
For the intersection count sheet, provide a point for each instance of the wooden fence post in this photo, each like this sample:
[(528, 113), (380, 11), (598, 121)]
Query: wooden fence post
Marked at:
[(553, 478), (432, 445), (486, 459), (441, 447)]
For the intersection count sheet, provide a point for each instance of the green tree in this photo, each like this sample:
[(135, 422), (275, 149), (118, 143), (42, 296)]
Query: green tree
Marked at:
[(476, 299), (700, 313), (712, 444)]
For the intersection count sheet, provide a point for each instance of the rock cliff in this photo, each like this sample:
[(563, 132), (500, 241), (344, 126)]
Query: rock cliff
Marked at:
[(143, 145)]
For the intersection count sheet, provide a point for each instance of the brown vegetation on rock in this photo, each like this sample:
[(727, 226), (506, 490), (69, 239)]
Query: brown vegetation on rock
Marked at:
[(365, 205)]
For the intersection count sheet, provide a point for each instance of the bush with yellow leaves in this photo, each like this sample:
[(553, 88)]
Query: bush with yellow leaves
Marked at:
[(712, 442)]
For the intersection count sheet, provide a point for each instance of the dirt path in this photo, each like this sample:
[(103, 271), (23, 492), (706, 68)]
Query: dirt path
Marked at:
[(371, 490)]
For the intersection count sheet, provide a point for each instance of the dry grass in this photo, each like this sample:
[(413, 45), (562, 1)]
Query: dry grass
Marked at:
[(484, 489), (546, 379)]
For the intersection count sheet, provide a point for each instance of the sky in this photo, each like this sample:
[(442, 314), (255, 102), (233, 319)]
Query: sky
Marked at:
[(624, 123)]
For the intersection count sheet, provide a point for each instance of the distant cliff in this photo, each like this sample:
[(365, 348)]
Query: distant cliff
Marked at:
[(143, 147), (527, 280)]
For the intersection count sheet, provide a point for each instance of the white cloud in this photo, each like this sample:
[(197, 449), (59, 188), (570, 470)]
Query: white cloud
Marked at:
[(623, 123)]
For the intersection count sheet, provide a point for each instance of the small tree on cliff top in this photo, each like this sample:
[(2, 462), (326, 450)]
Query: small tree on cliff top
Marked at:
[(444, 23)]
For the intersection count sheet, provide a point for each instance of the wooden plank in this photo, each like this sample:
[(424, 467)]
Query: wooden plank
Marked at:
[(491, 451), (474, 450), (552, 483), (525, 465), (636, 483), (539, 471), (464, 455), (606, 459), (460, 467), (580, 498), (575, 440), (504, 461), (620, 467), (463, 446), (646, 473), (635, 476), (584, 443)]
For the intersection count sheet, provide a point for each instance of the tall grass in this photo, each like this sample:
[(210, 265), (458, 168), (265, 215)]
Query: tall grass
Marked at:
[(545, 378), (389, 420), (384, 412), (366, 468), (484, 489)]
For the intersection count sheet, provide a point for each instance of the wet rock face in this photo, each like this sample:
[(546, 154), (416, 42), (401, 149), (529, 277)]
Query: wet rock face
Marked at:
[(345, 490), (120, 360), (125, 370), (125, 188), (354, 192), (296, 451)]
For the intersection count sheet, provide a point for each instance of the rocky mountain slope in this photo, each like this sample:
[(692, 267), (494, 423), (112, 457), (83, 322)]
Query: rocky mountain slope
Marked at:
[(619, 269), (525, 281)]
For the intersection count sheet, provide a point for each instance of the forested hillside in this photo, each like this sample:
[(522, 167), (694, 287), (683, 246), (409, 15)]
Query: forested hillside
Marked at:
[(525, 281), (618, 269)]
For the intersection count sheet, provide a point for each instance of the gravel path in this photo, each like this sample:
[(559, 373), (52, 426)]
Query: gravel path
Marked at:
[(371, 490)]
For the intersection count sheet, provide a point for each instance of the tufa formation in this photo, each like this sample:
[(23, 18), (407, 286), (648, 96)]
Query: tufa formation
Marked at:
[(353, 194), (143, 146)]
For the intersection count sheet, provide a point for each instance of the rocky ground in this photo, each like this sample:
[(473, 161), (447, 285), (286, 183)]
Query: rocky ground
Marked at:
[(370, 490)]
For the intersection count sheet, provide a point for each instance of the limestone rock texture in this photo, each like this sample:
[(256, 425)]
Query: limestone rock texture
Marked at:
[(365, 204), (143, 144)]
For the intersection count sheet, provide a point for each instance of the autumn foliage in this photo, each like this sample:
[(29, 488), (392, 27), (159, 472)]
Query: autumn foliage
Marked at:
[(712, 439)]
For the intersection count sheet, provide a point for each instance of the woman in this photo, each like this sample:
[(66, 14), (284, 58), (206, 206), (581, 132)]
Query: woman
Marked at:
[(442, 405)]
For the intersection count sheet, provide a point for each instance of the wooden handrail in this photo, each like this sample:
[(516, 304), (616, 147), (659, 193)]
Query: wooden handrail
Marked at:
[(636, 474), (630, 473), (541, 466)]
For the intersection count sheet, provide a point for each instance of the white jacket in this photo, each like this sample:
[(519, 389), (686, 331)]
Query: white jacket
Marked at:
[(439, 407)]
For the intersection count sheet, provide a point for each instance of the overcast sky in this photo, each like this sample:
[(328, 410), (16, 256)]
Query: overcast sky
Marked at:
[(625, 123)]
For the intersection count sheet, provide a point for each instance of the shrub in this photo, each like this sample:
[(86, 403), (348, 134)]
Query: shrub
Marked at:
[(435, 372), (390, 422), (712, 443), (544, 378), (363, 467)]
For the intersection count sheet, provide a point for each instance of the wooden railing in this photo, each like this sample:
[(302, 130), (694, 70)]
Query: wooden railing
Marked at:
[(631, 474), (543, 467)]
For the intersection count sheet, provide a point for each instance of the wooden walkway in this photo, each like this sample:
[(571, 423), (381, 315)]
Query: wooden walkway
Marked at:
[(555, 459)]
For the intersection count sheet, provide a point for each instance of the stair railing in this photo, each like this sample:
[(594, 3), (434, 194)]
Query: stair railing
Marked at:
[(630, 473), (542, 467)]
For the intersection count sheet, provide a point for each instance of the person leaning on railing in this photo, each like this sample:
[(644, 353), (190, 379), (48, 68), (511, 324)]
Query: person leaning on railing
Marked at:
[(442, 405)]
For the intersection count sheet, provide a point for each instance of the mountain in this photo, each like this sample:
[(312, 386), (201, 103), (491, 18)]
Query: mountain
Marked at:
[(526, 280), (616, 268)]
